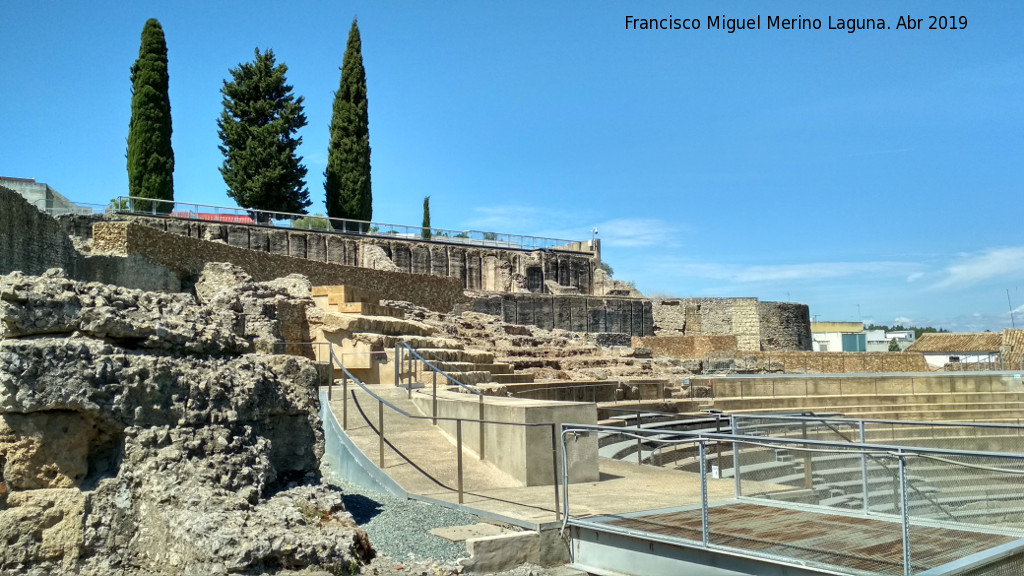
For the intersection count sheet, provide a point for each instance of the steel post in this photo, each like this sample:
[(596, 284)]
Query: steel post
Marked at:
[(705, 533), (864, 470), (458, 456), (554, 464), (905, 514), (380, 441)]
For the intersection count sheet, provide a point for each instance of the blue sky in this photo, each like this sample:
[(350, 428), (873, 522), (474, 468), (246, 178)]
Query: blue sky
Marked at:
[(873, 176)]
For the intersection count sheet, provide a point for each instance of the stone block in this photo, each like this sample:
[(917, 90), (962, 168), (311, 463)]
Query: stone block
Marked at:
[(238, 236), (259, 239), (278, 242), (336, 250), (316, 247), (297, 244)]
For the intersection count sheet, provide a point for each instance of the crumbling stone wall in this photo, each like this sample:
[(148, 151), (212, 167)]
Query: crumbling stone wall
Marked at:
[(143, 433), (30, 240), (477, 268), (785, 326), (756, 325), (186, 257), (630, 316)]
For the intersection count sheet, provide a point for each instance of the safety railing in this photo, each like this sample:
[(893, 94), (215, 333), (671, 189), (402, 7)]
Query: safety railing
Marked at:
[(782, 489), (326, 352), (228, 215)]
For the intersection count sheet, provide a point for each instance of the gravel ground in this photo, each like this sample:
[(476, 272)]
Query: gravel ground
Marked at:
[(399, 531)]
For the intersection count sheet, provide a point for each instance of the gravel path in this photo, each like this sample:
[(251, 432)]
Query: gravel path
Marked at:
[(399, 530)]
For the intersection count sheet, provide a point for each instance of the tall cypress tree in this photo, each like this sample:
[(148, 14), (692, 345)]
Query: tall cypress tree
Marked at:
[(347, 177), (426, 218), (150, 157), (262, 168)]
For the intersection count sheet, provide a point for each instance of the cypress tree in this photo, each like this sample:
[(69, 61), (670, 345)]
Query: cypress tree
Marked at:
[(150, 157), (257, 132), (347, 177), (426, 218)]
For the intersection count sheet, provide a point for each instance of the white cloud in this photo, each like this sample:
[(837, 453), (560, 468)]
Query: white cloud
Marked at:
[(637, 232), (915, 276), (978, 267), (903, 320), (762, 274)]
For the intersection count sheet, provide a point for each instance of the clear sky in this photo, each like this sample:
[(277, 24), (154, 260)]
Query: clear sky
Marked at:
[(873, 176)]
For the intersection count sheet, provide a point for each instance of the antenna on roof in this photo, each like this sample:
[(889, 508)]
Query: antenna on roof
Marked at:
[(1008, 303)]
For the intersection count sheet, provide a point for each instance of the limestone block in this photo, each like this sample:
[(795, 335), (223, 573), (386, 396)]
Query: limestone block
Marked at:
[(297, 244), (238, 236), (502, 552), (42, 527), (259, 239), (402, 257), (278, 242), (438, 261), (316, 247), (45, 449), (335, 246)]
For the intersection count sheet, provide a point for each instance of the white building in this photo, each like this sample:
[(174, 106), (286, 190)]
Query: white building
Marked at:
[(880, 340)]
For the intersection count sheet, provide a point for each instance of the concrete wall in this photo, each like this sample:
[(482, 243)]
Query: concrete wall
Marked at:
[(41, 195), (522, 452), (31, 241), (756, 325), (185, 257), (476, 268), (631, 316)]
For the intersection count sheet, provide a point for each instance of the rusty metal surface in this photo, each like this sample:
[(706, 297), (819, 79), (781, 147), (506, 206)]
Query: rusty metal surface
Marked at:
[(840, 542)]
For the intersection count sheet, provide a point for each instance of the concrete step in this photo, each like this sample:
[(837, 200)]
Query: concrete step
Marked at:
[(387, 341), (368, 309), (340, 293), (471, 378), (454, 355), (337, 322), (512, 378)]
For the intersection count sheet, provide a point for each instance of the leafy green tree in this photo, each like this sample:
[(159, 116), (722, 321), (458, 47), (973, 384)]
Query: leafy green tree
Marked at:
[(257, 132), (150, 157), (347, 177), (426, 218), (607, 268), (894, 345), (315, 222)]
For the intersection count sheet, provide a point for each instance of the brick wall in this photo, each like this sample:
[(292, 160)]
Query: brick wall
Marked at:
[(186, 256)]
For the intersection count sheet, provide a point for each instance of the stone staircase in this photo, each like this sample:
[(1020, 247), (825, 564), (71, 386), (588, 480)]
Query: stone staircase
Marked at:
[(365, 334)]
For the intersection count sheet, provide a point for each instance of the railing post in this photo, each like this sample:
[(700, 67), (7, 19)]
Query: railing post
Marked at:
[(705, 533), (434, 408), (864, 469), (398, 362), (344, 401), (905, 514), (735, 457), (639, 440), (330, 380), (458, 456), (380, 441), (481, 425), (554, 463)]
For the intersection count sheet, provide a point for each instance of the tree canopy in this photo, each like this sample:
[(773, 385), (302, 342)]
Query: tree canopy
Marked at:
[(426, 218), (150, 156), (347, 177), (257, 132)]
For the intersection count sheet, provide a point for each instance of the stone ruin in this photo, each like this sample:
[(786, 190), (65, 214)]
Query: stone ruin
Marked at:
[(151, 433)]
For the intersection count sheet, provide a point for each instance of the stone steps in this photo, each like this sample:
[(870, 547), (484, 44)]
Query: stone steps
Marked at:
[(456, 355), (388, 342)]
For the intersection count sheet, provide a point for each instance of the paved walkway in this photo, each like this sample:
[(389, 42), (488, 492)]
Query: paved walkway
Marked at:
[(622, 488)]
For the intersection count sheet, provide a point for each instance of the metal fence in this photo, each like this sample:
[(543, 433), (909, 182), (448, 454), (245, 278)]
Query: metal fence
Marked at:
[(811, 493), (228, 215)]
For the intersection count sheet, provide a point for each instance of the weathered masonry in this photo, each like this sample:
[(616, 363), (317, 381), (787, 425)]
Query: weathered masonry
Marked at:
[(492, 269)]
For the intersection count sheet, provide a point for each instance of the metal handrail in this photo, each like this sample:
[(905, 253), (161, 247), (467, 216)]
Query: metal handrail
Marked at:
[(127, 204), (901, 453), (346, 375), (435, 369), (908, 423)]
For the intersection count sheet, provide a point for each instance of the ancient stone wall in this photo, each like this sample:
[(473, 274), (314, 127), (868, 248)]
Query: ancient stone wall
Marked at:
[(31, 241), (573, 313), (693, 346), (756, 325), (186, 256), (784, 326), (492, 269), (841, 362)]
